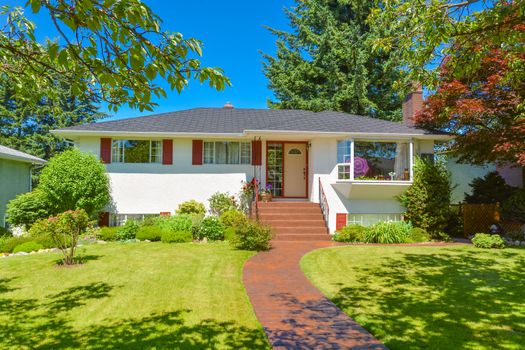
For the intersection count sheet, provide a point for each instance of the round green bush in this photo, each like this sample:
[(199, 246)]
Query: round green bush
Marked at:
[(483, 240), (128, 230), (108, 233), (28, 247), (177, 237), (27, 208), (350, 233), (388, 232), (221, 202), (252, 236), (418, 234), (233, 218), (174, 223), (151, 233), (9, 244), (211, 228), (75, 180), (191, 207), (229, 233)]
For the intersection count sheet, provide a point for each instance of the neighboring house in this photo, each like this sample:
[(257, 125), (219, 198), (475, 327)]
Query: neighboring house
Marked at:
[(353, 165), (15, 175)]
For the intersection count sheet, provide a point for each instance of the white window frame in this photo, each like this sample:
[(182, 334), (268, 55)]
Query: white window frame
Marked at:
[(214, 157), (123, 150)]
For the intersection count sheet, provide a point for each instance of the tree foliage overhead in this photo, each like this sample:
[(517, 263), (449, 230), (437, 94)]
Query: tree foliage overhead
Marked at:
[(112, 50), (26, 126), (471, 54), (326, 62)]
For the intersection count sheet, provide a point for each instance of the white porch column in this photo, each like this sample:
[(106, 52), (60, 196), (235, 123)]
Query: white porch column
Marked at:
[(411, 160), (352, 160)]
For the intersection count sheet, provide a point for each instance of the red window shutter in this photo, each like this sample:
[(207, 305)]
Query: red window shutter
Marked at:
[(196, 158), (167, 152), (256, 152), (165, 213), (103, 219), (340, 221), (105, 150)]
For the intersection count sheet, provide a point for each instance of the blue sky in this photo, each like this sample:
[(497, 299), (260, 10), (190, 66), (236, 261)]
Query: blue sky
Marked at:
[(233, 34)]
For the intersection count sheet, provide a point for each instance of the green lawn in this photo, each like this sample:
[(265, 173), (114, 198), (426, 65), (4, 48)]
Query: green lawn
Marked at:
[(139, 295), (427, 297)]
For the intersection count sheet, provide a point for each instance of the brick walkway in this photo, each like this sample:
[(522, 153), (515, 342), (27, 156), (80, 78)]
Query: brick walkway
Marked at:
[(294, 314)]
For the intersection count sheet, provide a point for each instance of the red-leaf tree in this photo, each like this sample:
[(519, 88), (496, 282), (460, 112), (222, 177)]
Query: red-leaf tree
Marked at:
[(483, 108)]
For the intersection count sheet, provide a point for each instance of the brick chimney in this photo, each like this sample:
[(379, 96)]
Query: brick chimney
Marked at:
[(228, 105), (412, 104)]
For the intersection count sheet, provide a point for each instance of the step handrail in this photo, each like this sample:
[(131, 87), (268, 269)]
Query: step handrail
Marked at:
[(323, 202)]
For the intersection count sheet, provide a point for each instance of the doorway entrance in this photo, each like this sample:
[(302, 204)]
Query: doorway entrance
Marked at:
[(287, 168)]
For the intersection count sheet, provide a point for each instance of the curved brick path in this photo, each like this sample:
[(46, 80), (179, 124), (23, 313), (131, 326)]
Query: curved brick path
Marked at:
[(294, 314)]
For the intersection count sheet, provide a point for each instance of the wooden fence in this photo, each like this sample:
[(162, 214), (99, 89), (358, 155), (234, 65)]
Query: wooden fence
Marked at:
[(479, 218)]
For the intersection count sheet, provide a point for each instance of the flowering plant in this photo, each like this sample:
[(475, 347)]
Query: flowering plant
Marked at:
[(392, 175), (267, 189)]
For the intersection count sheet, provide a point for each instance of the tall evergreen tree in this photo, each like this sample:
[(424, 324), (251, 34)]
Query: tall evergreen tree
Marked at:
[(327, 63), (26, 126)]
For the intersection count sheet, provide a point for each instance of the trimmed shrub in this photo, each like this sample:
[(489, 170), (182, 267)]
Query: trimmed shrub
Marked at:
[(75, 180), (233, 218), (252, 236), (149, 221), (483, 240), (221, 202), (108, 233), (10, 243), (388, 232), (128, 230), (28, 247), (350, 233), (191, 207), (427, 200), (27, 208), (211, 228), (513, 209), (417, 234), (151, 233), (492, 188), (181, 222), (177, 237), (229, 233)]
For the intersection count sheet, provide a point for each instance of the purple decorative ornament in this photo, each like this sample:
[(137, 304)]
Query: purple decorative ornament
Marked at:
[(360, 167)]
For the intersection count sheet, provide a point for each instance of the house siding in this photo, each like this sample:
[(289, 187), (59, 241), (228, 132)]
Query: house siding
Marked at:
[(15, 179), (155, 188)]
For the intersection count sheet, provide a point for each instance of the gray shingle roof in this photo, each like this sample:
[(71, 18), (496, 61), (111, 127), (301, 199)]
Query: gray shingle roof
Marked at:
[(238, 120), (9, 153)]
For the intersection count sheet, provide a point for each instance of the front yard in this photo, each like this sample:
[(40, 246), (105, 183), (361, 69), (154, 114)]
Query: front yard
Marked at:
[(135, 295), (455, 297)]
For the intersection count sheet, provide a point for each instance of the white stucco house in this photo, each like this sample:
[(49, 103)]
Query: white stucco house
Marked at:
[(354, 166)]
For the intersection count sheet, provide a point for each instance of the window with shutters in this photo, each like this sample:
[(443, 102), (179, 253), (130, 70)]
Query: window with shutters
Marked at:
[(136, 151), (227, 152)]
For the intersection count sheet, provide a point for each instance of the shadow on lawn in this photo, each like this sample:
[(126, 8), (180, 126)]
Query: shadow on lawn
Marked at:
[(33, 324), (431, 301)]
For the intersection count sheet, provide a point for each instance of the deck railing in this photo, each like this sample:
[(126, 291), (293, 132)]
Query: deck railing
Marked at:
[(323, 203)]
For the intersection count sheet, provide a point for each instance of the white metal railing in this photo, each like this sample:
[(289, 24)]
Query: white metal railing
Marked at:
[(323, 203)]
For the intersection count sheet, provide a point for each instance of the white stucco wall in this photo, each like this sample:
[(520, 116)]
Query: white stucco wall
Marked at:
[(155, 188)]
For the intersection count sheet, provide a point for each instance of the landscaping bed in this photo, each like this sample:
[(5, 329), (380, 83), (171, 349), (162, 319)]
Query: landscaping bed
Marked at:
[(129, 295), (451, 297)]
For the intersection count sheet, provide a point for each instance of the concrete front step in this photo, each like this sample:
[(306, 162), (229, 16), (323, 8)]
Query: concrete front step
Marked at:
[(288, 217)]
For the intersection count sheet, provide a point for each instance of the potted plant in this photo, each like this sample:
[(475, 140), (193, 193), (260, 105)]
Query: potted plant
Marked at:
[(392, 175), (266, 193)]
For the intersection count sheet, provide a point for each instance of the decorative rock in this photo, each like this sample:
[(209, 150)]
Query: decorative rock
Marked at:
[(20, 253), (101, 242), (523, 244), (516, 242), (147, 241), (55, 250)]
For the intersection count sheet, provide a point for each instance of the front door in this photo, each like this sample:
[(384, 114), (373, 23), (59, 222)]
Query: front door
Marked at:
[(295, 170)]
